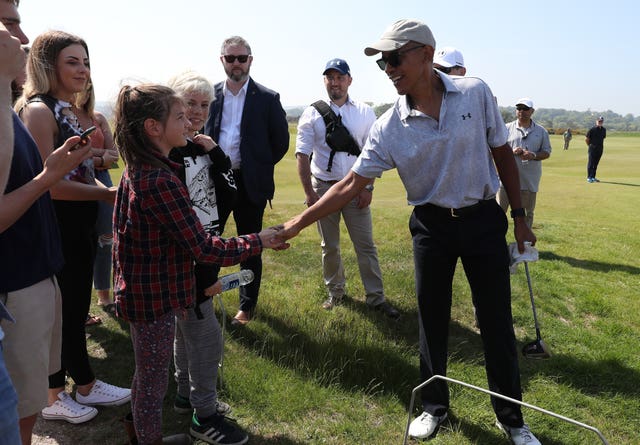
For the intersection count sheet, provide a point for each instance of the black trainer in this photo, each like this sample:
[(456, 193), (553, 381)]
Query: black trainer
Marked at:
[(182, 405), (217, 429)]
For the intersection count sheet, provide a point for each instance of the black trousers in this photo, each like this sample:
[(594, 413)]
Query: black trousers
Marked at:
[(478, 239), (248, 218), (595, 153), (76, 220)]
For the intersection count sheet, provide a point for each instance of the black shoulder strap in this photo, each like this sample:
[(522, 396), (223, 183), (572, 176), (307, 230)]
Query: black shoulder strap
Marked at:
[(325, 111)]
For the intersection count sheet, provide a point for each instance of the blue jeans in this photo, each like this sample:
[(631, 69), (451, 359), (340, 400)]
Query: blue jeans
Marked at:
[(104, 228), (9, 429)]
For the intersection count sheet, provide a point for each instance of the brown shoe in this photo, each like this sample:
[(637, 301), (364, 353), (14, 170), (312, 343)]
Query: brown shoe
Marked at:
[(331, 302), (241, 318)]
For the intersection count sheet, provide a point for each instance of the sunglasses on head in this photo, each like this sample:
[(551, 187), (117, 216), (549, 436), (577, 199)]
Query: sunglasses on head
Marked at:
[(230, 58), (522, 108), (394, 57)]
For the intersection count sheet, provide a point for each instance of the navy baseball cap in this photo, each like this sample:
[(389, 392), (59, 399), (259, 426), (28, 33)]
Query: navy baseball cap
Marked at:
[(339, 65)]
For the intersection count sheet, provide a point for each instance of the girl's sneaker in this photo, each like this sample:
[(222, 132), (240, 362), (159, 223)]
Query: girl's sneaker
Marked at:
[(65, 408), (218, 430)]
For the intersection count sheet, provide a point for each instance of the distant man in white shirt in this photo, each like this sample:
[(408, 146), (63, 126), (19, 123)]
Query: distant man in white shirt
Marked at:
[(319, 168)]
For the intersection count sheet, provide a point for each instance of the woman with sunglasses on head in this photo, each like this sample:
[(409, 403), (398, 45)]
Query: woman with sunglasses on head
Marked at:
[(57, 70)]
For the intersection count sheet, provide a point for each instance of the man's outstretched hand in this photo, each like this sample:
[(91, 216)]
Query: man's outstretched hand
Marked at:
[(272, 238)]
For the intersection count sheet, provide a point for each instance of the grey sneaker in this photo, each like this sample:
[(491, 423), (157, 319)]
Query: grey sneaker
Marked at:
[(426, 426), (518, 436), (330, 302)]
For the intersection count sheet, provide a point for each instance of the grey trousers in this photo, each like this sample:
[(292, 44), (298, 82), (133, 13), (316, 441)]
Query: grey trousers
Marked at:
[(360, 228), (197, 349)]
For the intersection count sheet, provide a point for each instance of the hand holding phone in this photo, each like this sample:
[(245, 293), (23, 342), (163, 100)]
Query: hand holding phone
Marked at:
[(84, 138)]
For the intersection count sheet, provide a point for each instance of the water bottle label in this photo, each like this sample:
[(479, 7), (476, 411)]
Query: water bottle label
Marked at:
[(233, 284)]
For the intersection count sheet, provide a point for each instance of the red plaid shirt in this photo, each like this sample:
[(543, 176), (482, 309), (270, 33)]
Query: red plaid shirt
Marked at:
[(158, 239)]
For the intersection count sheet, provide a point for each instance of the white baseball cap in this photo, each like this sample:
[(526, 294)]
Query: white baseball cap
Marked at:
[(399, 34), (449, 57), (525, 101)]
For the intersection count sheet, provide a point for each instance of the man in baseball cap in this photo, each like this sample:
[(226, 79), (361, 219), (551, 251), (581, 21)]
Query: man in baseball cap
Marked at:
[(408, 137), (449, 60), (399, 34), (320, 166), (339, 65)]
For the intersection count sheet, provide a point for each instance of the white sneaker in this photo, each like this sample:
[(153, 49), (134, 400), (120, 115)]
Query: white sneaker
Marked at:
[(104, 394), (519, 436), (65, 408), (426, 425)]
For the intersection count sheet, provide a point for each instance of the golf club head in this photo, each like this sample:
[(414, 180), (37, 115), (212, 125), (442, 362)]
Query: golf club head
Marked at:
[(536, 350)]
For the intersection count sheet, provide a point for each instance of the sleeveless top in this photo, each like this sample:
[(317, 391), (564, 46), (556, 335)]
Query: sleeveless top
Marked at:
[(67, 126)]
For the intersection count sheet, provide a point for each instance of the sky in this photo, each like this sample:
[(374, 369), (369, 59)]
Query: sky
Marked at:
[(572, 54)]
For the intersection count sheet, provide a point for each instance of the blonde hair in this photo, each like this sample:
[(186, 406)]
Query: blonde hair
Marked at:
[(41, 63), (191, 82)]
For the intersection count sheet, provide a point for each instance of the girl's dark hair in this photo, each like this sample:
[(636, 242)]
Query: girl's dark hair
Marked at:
[(134, 106)]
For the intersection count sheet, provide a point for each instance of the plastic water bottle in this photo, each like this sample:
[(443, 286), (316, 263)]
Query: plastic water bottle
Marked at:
[(236, 279)]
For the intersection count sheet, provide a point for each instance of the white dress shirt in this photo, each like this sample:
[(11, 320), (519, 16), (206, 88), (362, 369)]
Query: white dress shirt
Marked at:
[(232, 108)]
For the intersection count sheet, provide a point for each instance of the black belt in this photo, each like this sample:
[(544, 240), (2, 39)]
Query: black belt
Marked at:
[(457, 213), (326, 182)]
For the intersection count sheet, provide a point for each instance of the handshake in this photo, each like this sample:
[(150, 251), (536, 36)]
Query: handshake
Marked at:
[(274, 237)]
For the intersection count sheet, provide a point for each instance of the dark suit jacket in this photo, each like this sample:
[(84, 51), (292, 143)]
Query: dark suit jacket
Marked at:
[(264, 137)]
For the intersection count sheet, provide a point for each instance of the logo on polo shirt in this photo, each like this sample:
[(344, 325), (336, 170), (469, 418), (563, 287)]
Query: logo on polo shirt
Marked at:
[(465, 116)]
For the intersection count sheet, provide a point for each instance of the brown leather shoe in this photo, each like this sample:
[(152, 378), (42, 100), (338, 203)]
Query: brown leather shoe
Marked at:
[(241, 318)]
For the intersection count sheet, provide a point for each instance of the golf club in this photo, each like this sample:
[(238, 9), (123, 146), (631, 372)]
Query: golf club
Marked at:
[(535, 349)]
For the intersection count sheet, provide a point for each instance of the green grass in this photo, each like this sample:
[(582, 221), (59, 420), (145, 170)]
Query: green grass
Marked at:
[(301, 375)]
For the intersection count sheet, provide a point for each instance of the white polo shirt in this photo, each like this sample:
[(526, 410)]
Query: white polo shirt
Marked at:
[(446, 162)]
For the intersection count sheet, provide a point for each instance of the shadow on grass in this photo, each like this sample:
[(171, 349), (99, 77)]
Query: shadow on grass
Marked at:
[(620, 183), (358, 367), (590, 265)]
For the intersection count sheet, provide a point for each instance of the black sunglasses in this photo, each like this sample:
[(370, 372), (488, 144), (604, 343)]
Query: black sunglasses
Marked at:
[(230, 58), (445, 69), (522, 108), (393, 58)]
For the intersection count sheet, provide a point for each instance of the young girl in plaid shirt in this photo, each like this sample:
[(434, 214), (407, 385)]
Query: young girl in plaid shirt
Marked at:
[(157, 240)]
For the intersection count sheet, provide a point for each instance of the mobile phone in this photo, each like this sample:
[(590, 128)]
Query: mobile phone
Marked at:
[(84, 138)]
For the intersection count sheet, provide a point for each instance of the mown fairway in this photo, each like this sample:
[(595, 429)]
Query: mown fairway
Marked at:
[(301, 375)]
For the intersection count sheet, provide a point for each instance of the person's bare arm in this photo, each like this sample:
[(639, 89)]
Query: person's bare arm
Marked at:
[(508, 172), (11, 64), (335, 198), (304, 173)]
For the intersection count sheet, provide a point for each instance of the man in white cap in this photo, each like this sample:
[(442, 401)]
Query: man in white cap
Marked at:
[(595, 142), (319, 167), (449, 60), (446, 137), (530, 144)]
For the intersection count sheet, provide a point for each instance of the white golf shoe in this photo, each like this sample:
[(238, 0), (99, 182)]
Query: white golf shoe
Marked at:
[(426, 425)]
